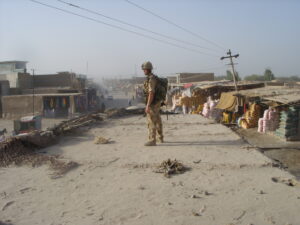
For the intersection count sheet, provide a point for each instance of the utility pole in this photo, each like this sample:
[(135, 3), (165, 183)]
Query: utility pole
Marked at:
[(87, 68), (32, 92), (232, 66)]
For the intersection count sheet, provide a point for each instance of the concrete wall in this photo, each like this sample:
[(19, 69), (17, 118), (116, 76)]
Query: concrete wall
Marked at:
[(4, 86), (63, 79), (15, 107), (48, 91), (195, 77), (11, 77), (172, 79), (24, 81), (54, 80), (7, 68)]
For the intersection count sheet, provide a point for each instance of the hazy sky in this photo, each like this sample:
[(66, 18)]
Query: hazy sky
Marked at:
[(266, 33)]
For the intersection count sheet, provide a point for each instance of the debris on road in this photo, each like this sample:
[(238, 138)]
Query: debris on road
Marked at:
[(101, 140), (21, 150), (72, 124), (289, 182), (170, 167), (61, 167), (7, 222), (7, 205)]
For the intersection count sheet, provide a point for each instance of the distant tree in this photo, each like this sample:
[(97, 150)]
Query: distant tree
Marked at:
[(291, 78), (237, 76), (222, 77), (229, 75), (294, 78), (255, 77), (268, 75)]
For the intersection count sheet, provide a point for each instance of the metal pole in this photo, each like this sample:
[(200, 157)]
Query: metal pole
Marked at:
[(32, 92), (232, 66), (233, 71)]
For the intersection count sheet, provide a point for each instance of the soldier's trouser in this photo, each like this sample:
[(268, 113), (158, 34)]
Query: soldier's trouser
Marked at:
[(154, 122)]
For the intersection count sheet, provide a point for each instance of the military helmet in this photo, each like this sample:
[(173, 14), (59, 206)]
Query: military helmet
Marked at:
[(147, 66)]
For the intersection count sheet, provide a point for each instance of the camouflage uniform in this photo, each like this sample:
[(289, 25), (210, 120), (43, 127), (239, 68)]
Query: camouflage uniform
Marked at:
[(153, 117)]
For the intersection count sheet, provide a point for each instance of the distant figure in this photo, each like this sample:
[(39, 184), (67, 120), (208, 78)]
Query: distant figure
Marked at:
[(102, 109), (2, 135), (129, 102)]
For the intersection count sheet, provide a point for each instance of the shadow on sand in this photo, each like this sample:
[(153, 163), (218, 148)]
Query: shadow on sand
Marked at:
[(196, 143)]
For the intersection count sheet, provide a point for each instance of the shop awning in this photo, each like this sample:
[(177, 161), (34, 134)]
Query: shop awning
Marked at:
[(188, 85), (227, 102)]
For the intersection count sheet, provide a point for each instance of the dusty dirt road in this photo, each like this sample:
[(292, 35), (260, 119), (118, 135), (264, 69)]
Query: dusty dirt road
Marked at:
[(115, 184)]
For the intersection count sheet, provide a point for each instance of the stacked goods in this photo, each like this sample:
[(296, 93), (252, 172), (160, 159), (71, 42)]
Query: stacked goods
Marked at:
[(175, 101), (230, 117), (210, 110), (197, 100), (243, 123), (198, 109), (212, 106), (251, 117), (269, 122), (185, 100), (206, 110), (216, 114), (226, 117), (288, 125)]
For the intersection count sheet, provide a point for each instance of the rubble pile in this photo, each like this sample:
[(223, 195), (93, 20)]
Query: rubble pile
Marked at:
[(115, 113), (14, 150), (20, 150), (72, 124), (170, 167)]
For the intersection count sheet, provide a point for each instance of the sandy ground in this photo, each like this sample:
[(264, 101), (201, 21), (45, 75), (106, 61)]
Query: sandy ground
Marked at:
[(287, 152), (268, 140), (115, 183)]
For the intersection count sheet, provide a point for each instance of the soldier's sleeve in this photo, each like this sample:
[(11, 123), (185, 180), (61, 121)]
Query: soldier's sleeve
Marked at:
[(152, 84)]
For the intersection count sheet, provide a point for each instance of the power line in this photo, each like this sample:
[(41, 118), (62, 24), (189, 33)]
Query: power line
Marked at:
[(134, 26), (230, 56), (123, 29), (174, 24)]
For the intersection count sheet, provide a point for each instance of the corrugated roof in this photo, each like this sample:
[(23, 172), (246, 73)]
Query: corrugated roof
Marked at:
[(284, 95), (12, 61)]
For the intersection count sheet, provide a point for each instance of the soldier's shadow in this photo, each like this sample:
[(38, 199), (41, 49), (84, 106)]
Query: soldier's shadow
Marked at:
[(197, 143)]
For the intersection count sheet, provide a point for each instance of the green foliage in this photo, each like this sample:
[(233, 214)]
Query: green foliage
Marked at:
[(220, 77), (229, 76), (291, 78), (255, 77), (268, 75)]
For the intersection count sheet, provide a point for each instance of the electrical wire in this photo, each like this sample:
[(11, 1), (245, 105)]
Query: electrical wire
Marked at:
[(174, 24), (123, 29), (135, 26)]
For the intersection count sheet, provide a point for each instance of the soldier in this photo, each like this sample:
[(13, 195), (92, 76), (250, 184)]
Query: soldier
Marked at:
[(152, 106)]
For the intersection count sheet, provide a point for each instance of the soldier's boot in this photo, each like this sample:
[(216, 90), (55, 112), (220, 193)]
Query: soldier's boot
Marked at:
[(150, 143), (161, 139)]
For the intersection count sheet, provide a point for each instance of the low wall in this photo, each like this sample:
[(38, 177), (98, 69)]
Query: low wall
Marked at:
[(15, 107)]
